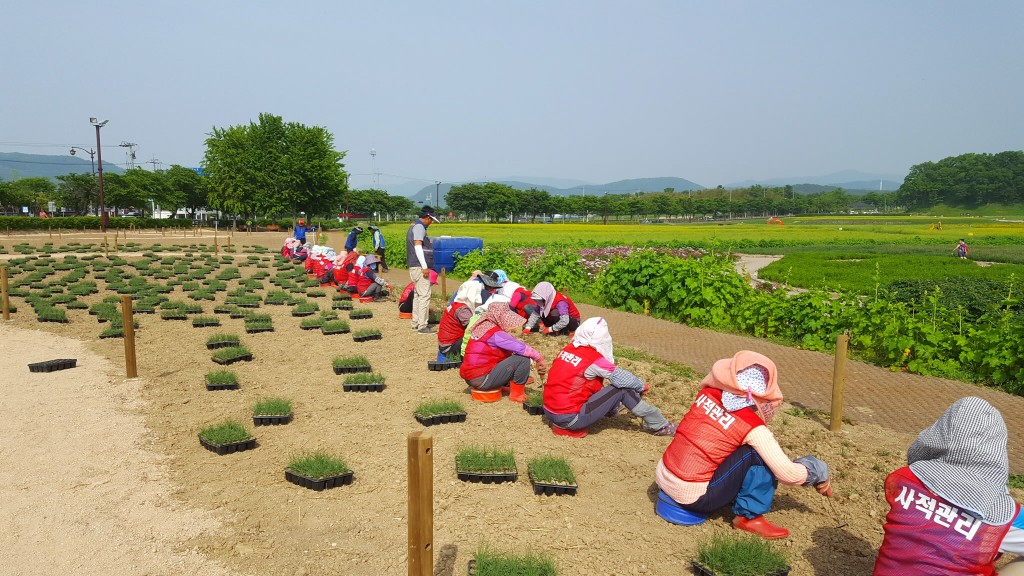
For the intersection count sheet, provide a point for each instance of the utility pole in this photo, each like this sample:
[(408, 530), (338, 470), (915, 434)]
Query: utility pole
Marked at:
[(437, 191), (154, 162), (131, 146)]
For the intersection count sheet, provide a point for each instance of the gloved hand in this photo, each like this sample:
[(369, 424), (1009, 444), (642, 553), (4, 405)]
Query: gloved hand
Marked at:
[(542, 368), (526, 331), (545, 330), (824, 488), (817, 473)]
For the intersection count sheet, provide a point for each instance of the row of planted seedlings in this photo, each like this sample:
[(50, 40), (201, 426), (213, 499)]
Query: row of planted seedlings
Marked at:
[(549, 474), (90, 248)]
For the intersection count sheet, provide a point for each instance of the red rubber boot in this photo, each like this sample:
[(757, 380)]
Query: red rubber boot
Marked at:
[(760, 526), (517, 392)]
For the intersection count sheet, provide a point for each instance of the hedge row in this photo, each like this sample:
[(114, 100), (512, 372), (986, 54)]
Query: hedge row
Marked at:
[(86, 223)]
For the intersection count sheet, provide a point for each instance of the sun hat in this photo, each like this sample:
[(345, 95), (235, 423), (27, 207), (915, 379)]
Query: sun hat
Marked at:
[(428, 212)]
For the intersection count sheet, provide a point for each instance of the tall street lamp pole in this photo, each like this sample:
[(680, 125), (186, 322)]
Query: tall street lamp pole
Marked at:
[(99, 156), (437, 190), (92, 156)]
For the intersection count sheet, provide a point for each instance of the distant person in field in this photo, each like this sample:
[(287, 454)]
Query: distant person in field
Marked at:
[(352, 240), (550, 311), (950, 511), (300, 232), (584, 384), (379, 244), (370, 284), (961, 249), (723, 452)]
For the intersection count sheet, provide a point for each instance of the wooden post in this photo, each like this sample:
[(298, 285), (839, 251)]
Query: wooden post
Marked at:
[(50, 230), (838, 383), (130, 369), (421, 504), (106, 253), (5, 296), (444, 284), (216, 249)]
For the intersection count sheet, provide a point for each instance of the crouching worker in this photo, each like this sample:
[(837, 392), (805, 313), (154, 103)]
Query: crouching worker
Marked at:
[(552, 309), (452, 327), (724, 453), (950, 511), (494, 358), (370, 284), (405, 300), (575, 394)]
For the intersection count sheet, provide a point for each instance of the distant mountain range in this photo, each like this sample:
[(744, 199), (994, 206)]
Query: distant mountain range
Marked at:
[(15, 165), (847, 180), (617, 187)]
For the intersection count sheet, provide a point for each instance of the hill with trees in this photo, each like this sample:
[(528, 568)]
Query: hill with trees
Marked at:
[(966, 181)]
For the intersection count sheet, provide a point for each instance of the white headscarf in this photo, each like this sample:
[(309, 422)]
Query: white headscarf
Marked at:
[(593, 332), (508, 289), (360, 261), (470, 294), (494, 299)]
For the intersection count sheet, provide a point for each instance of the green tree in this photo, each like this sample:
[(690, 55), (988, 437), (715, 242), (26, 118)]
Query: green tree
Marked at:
[(189, 185), (78, 192), (273, 167), (31, 192)]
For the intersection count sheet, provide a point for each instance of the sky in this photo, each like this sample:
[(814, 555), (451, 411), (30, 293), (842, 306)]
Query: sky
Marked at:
[(582, 91)]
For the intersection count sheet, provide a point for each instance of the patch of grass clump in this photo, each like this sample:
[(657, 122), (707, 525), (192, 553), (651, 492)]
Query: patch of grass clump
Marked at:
[(318, 465), (221, 378), (205, 321), (222, 338), (346, 361), (491, 563), (312, 322), (334, 327), (437, 407), (363, 333), (226, 354), (551, 470), (740, 556), (226, 432), (485, 460), (365, 378), (361, 313), (534, 398), (272, 407)]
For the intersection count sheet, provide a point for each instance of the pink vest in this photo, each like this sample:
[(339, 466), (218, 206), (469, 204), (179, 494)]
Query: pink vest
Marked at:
[(481, 357), (926, 535)]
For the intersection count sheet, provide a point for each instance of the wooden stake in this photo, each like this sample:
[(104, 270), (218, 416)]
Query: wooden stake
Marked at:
[(216, 249), (130, 369), (50, 230), (444, 284), (106, 254), (5, 296), (838, 383), (421, 504)]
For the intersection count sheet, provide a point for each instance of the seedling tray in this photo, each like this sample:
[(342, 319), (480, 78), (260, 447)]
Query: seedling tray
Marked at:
[(267, 420), (301, 314), (231, 386), (441, 418), (367, 338), (55, 320), (441, 366), (258, 330), (227, 344), (544, 488), (352, 369), (243, 358), (533, 410), (363, 387), (333, 332), (701, 570), (53, 365), (319, 483), (360, 316), (487, 477), (222, 449), (345, 305)]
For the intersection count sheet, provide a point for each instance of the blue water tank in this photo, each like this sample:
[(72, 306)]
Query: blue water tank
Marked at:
[(445, 248)]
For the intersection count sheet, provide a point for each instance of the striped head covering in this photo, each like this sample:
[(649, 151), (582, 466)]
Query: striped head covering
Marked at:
[(962, 457), (725, 373)]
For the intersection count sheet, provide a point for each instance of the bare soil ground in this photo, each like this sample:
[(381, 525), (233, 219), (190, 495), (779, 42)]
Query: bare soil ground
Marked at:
[(106, 475)]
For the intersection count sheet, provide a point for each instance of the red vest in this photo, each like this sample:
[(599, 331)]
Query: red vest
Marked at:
[(926, 535), (573, 312), (480, 358), (707, 436), (407, 293), (567, 389), (520, 299), (364, 282), (308, 263), (354, 276), (450, 330)]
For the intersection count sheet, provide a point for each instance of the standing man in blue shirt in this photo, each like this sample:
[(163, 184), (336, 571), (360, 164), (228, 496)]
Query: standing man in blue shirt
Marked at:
[(378, 246), (419, 258), (300, 232)]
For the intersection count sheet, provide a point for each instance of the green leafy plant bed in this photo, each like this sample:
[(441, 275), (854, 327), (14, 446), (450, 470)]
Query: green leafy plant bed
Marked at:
[(255, 323), (205, 321), (305, 309), (221, 380), (360, 314), (364, 383), (116, 329), (316, 293), (277, 297), (342, 304), (232, 355), (739, 556), (486, 465), (311, 323), (367, 334), (350, 364), (272, 411), (335, 327), (534, 403), (341, 297), (173, 314), (52, 315), (552, 475), (440, 412), (226, 438), (221, 341), (318, 471), (489, 563), (225, 309), (247, 301)]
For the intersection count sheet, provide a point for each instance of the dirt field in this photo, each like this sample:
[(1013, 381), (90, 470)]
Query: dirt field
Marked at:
[(137, 492)]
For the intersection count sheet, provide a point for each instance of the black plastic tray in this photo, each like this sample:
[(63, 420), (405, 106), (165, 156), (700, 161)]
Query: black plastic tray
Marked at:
[(319, 483), (227, 344), (543, 488), (533, 410), (243, 358), (53, 365), (440, 366), (367, 338), (230, 447), (363, 387), (267, 420), (700, 570), (487, 478), (234, 386), (441, 418), (258, 330), (352, 369)]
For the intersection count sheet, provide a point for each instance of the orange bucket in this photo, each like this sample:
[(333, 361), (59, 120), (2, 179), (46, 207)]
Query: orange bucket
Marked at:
[(570, 433), (405, 315), (485, 395)]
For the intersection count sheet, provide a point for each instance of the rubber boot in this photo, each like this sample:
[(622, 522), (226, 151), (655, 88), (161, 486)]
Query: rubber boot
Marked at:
[(517, 392), (760, 526)]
